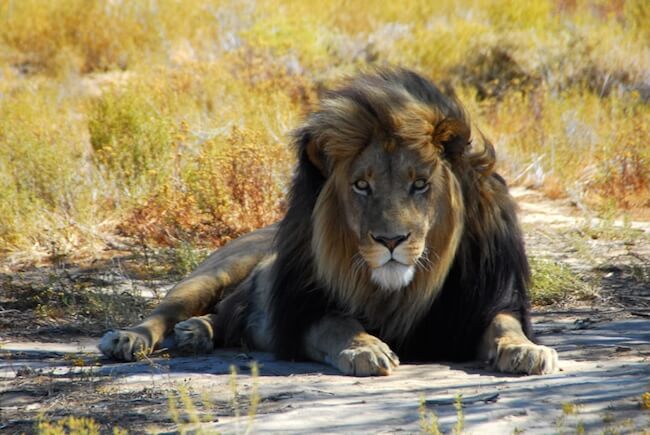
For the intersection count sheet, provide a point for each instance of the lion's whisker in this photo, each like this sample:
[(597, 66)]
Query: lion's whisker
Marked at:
[(423, 260), (426, 253), (424, 263)]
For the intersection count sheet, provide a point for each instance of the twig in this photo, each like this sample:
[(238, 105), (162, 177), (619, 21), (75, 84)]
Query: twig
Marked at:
[(528, 168), (9, 311)]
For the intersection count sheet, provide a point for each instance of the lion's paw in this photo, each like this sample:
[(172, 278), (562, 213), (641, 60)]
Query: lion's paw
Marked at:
[(367, 357), (125, 344), (194, 335), (529, 358)]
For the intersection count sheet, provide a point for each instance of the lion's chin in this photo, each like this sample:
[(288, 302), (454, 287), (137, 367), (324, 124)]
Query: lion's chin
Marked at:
[(392, 276)]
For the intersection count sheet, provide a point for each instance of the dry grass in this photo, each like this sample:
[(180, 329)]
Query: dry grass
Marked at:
[(166, 121), (554, 283)]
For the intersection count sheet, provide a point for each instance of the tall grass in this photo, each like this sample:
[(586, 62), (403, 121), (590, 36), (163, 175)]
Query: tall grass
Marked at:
[(167, 121)]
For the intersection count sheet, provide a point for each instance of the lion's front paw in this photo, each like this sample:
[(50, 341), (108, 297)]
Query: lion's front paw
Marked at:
[(125, 344), (367, 356), (529, 358), (194, 335)]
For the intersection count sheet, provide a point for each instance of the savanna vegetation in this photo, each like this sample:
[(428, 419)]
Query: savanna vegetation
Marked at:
[(165, 122), (144, 124)]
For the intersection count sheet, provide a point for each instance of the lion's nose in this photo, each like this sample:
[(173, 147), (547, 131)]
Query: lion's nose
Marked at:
[(391, 242)]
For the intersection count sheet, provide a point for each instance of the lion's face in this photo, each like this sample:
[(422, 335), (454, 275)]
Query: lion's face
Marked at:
[(389, 213), (392, 196)]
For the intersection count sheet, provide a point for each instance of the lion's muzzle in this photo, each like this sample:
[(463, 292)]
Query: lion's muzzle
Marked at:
[(393, 275), (390, 242)]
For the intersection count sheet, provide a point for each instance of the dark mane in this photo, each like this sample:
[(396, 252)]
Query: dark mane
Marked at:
[(489, 273), (295, 289)]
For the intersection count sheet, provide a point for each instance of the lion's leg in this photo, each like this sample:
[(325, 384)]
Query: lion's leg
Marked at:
[(343, 343), (192, 297), (228, 325), (506, 346), (196, 295), (196, 334)]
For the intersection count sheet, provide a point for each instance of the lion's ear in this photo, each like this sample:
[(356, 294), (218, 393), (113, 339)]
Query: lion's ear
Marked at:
[(314, 152), (453, 135)]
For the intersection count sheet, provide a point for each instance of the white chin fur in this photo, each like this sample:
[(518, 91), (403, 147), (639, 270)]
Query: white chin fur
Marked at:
[(392, 276)]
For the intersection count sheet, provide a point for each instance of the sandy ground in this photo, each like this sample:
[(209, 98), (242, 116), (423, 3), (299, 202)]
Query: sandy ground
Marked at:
[(604, 348)]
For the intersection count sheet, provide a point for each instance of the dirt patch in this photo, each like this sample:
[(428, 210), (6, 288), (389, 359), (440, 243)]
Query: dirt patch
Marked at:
[(62, 300)]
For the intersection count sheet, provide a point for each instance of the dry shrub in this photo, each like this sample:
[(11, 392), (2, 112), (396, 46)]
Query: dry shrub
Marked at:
[(95, 35), (551, 82), (494, 72), (637, 18), (591, 148), (553, 188), (169, 218), (132, 140), (234, 185), (522, 14), (40, 139), (624, 176), (239, 181)]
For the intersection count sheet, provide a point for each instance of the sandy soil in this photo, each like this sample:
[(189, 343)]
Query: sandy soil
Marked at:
[(52, 369)]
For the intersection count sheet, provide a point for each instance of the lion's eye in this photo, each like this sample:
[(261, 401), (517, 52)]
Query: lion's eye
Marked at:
[(362, 187), (420, 185)]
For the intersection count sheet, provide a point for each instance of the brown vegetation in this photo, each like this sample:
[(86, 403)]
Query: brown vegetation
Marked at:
[(166, 121)]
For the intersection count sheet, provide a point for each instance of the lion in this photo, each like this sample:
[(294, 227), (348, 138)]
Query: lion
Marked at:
[(400, 242)]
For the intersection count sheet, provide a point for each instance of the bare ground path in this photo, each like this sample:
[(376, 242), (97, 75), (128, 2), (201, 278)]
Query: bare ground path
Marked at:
[(52, 369)]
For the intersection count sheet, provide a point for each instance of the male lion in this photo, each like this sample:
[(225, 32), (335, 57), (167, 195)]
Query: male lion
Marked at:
[(399, 239)]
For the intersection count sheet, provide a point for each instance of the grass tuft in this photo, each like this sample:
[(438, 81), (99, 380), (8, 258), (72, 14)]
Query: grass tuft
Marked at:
[(74, 426), (428, 419), (554, 283), (645, 400)]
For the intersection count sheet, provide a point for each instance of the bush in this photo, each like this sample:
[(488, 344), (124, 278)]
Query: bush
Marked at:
[(234, 185), (133, 142), (154, 116)]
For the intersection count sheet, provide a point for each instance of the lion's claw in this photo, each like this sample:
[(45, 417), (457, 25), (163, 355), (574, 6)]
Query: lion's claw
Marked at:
[(194, 335), (371, 357), (529, 358)]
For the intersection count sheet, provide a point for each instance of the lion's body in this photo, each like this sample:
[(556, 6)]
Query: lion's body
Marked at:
[(398, 238)]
